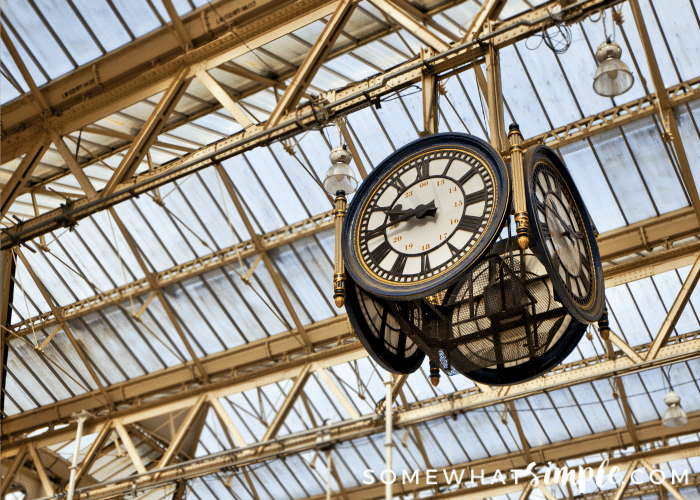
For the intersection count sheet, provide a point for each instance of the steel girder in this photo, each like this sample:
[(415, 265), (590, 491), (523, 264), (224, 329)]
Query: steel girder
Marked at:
[(338, 103), (623, 242)]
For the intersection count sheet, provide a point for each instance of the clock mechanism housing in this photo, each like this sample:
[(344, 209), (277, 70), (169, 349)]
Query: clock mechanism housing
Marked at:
[(499, 324)]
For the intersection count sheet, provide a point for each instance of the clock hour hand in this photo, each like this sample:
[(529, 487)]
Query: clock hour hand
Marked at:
[(420, 212), (568, 231), (396, 216)]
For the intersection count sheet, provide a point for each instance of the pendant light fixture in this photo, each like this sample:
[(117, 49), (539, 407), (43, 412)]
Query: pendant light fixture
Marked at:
[(613, 77), (674, 416)]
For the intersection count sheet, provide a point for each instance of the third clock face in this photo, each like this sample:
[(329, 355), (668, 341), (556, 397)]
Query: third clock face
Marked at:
[(426, 215), (563, 232)]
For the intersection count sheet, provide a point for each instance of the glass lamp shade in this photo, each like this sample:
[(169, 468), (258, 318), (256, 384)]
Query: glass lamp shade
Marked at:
[(612, 77), (674, 416), (340, 176)]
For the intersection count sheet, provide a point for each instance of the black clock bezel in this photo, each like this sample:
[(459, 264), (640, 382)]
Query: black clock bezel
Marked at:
[(591, 310), (376, 348), (384, 171)]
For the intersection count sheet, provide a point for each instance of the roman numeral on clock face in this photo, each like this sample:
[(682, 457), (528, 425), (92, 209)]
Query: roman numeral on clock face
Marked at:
[(470, 223), (471, 173), (399, 264), (476, 197), (397, 184), (422, 169), (424, 264), (378, 254)]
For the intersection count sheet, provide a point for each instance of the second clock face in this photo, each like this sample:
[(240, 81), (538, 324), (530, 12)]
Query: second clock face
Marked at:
[(424, 213)]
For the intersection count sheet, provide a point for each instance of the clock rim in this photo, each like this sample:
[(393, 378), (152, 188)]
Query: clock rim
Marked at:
[(359, 324), (533, 367), (406, 291), (594, 311)]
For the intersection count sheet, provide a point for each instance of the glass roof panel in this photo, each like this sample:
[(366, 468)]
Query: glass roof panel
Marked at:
[(630, 322), (139, 17), (623, 175), (688, 122), (551, 86), (652, 157), (103, 22), (39, 41), (70, 30)]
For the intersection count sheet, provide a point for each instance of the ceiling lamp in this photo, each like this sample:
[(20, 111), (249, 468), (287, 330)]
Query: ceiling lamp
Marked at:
[(613, 77), (674, 416), (340, 181), (340, 177)]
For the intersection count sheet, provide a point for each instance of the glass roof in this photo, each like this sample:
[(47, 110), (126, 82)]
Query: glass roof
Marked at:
[(625, 174)]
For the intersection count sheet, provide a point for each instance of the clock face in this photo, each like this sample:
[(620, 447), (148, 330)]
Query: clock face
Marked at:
[(563, 233), (424, 215), (379, 331)]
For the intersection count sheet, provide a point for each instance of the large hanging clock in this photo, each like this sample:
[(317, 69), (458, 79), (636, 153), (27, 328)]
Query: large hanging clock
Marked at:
[(563, 233), (424, 215), (379, 331)]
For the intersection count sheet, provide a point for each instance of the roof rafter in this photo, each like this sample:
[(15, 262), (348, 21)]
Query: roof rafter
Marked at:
[(313, 61)]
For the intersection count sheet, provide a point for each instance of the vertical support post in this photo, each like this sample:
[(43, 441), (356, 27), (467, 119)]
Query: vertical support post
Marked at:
[(339, 275), (495, 98), (389, 442), (522, 223), (6, 287), (430, 108), (81, 418)]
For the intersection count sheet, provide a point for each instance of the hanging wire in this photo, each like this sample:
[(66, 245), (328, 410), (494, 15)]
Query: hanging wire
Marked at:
[(232, 30), (557, 38), (24, 294), (121, 261), (601, 18), (120, 306), (227, 264)]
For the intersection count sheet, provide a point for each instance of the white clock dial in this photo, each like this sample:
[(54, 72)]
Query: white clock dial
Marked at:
[(563, 232), (426, 216)]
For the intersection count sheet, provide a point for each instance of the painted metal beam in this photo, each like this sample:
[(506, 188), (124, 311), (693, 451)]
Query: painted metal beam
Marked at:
[(247, 360), (313, 61), (287, 404), (72, 165), (667, 116), (128, 75), (340, 102), (676, 310), (224, 98), (136, 252), (651, 233), (399, 13), (489, 11), (132, 409), (180, 31), (57, 313), (40, 101), (556, 453), (150, 131), (21, 175)]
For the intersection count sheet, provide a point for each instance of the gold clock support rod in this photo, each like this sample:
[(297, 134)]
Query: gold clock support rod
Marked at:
[(522, 222), (339, 276)]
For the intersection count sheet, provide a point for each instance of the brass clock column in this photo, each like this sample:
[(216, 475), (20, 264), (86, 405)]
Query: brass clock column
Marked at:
[(340, 181), (522, 223)]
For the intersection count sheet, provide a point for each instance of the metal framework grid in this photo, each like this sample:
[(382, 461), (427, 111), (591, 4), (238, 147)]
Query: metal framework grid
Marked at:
[(163, 265)]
